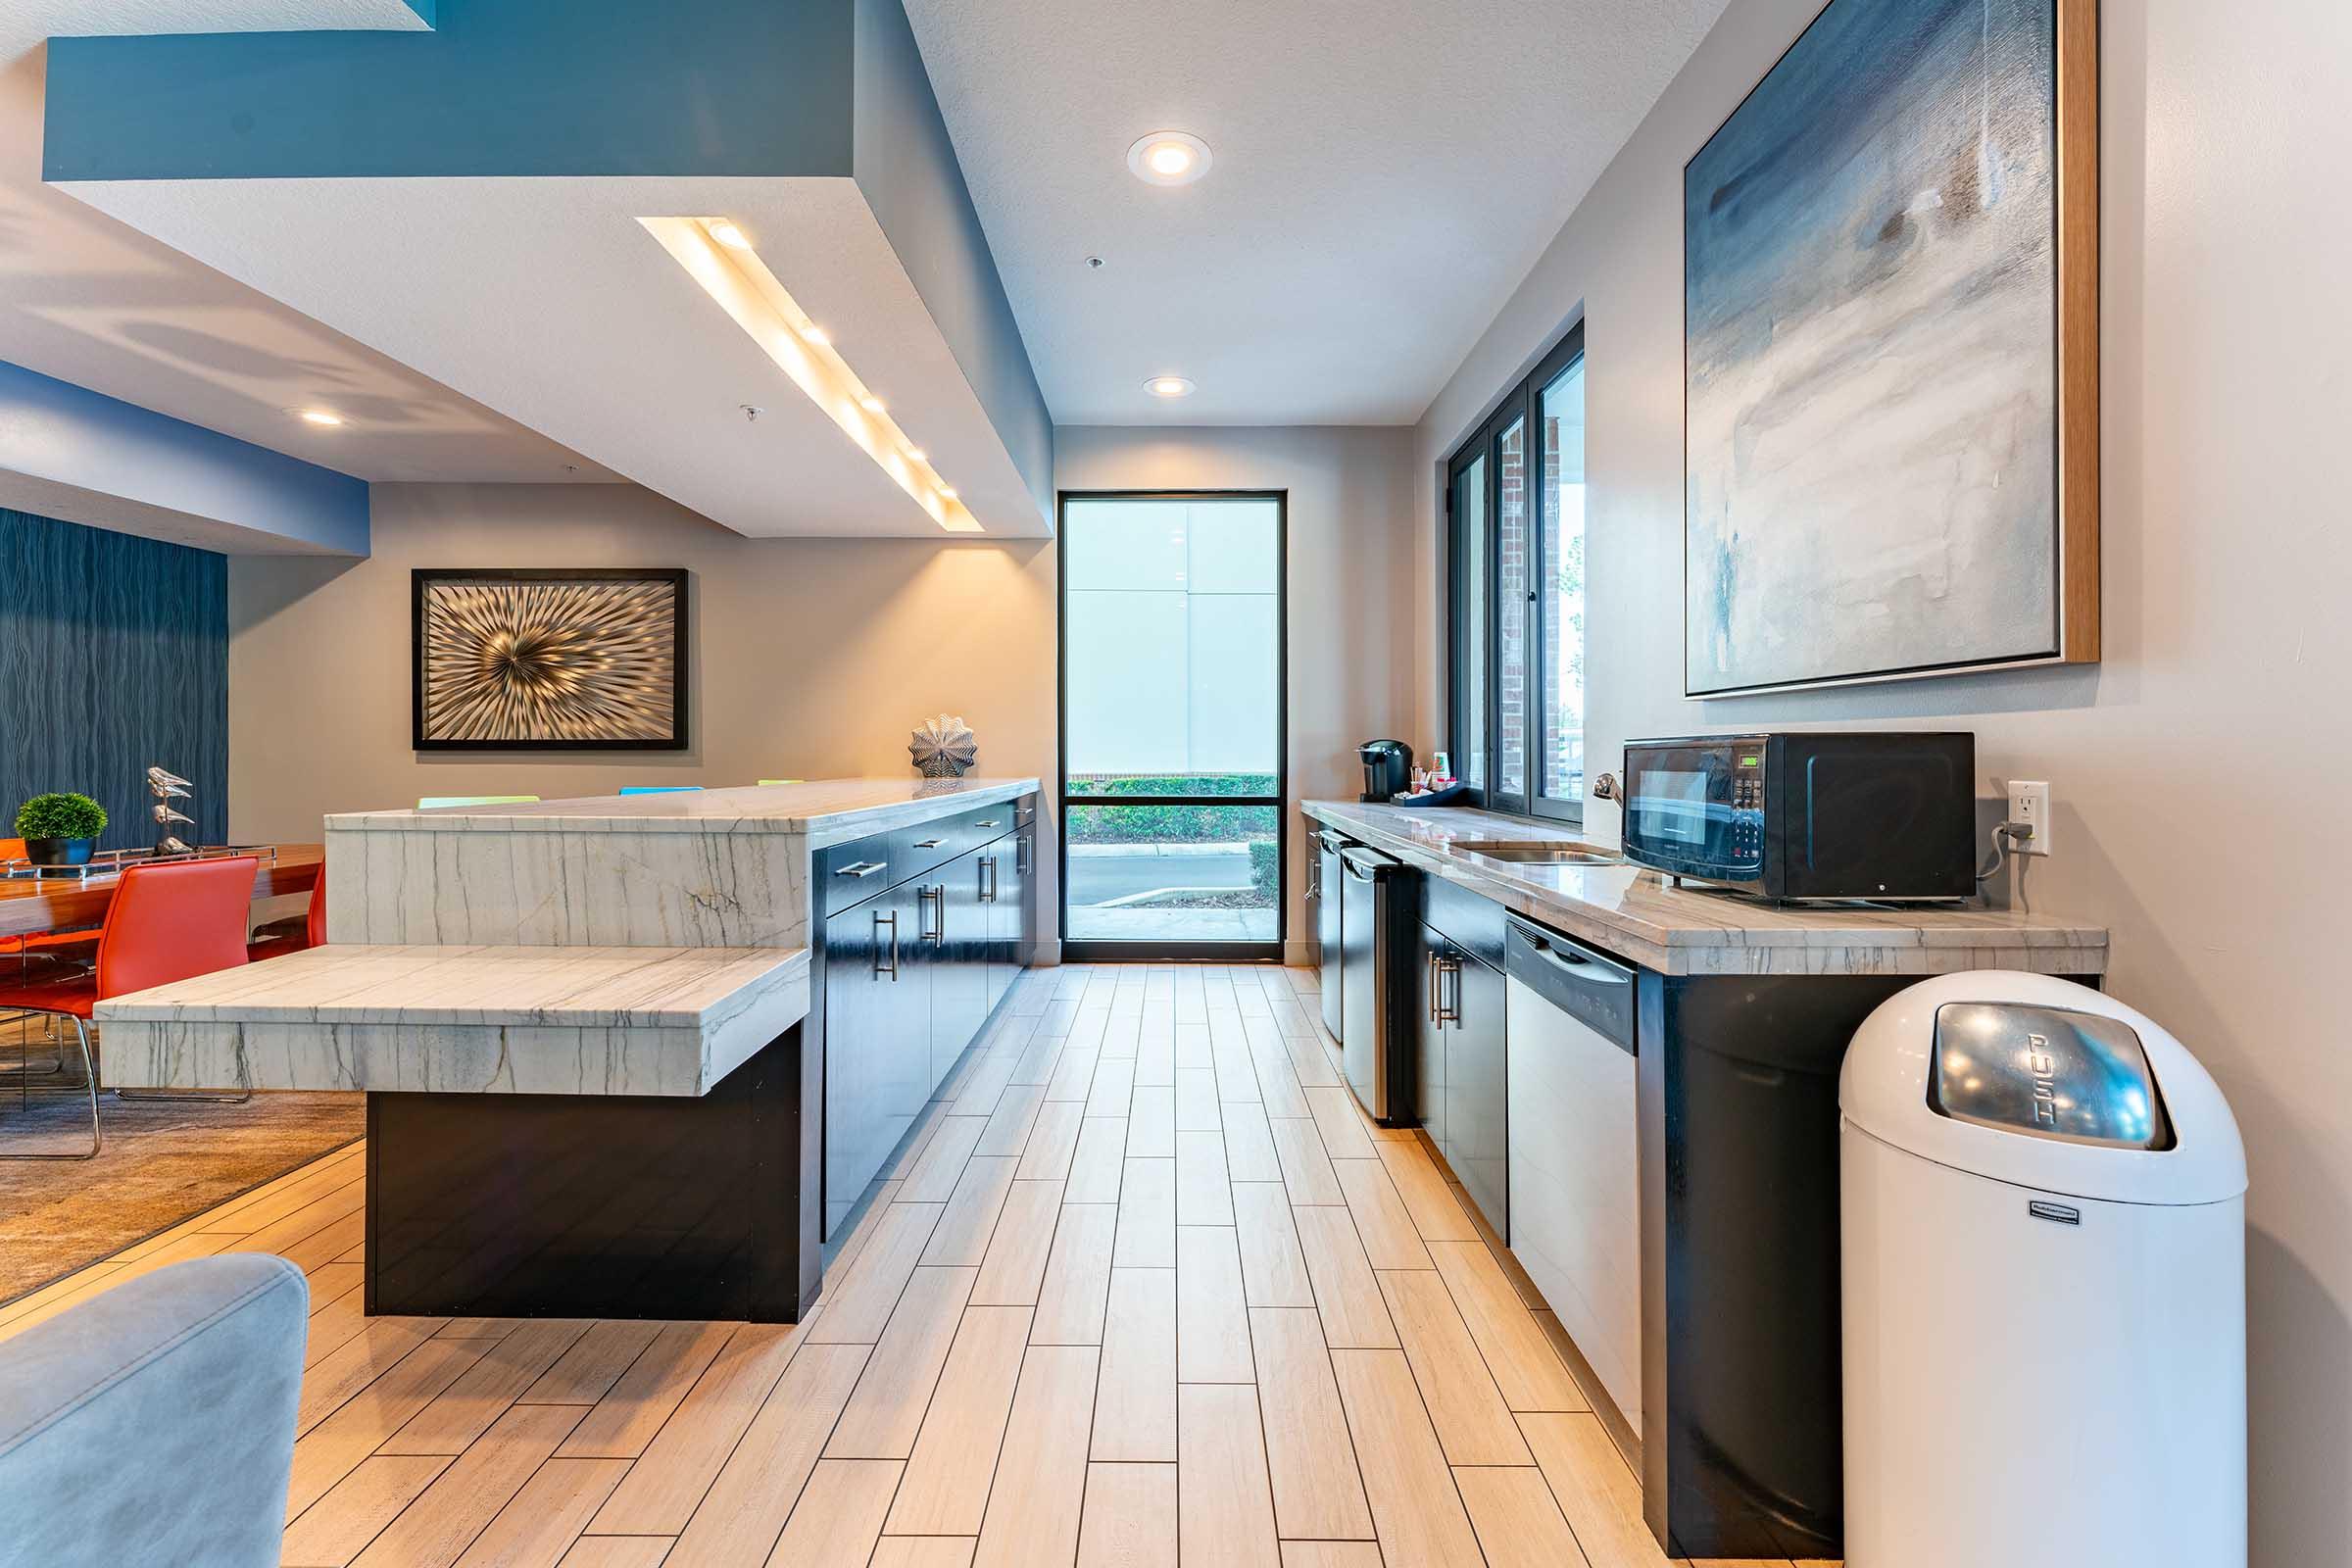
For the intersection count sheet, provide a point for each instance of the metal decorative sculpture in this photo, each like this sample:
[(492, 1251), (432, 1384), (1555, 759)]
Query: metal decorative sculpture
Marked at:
[(557, 658), (168, 787), (943, 748)]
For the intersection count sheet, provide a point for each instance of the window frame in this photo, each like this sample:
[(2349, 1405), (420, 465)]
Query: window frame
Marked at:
[(1095, 950), (1522, 402)]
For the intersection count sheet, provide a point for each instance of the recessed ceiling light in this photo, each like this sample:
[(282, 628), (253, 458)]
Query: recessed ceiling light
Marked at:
[(947, 492), (914, 453), (319, 416), (1168, 386), (1169, 158), (870, 403), (813, 333), (730, 236)]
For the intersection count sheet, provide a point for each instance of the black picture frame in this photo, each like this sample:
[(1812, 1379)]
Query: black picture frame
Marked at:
[(422, 578)]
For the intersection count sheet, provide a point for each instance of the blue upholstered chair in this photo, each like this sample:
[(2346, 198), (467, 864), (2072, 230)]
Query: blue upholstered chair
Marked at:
[(154, 1423)]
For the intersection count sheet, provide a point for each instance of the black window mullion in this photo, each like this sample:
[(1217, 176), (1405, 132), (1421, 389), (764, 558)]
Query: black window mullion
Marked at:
[(1523, 404)]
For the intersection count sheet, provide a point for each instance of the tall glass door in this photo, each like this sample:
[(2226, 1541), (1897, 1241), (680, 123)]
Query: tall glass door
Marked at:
[(1172, 732)]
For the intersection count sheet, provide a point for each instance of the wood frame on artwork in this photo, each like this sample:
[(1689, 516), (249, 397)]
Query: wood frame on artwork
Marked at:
[(2078, 331), (421, 578)]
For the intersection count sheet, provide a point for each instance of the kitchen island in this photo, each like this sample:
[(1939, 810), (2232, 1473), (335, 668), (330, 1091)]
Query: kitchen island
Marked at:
[(593, 1033), (1730, 1387)]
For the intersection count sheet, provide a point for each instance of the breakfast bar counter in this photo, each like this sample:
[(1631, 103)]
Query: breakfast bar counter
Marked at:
[(592, 1032)]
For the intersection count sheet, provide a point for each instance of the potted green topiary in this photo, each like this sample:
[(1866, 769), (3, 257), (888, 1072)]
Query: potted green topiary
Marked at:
[(60, 830)]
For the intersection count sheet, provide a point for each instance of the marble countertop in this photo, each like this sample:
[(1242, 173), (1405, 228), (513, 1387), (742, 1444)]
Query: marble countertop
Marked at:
[(540, 1020), (600, 988), (826, 811), (1637, 915)]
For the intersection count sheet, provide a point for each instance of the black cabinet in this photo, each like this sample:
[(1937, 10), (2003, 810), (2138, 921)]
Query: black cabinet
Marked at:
[(1477, 1144), (1005, 895), (926, 927), (956, 939), (877, 1039), (1429, 990), (1458, 1006)]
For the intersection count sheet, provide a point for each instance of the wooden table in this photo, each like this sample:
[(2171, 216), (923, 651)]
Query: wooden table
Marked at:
[(30, 904)]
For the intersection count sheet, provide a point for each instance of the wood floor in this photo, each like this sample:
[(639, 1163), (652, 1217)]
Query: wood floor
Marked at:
[(1145, 1288)]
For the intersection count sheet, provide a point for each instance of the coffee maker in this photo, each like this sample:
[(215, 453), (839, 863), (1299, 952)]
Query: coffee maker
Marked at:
[(1387, 769)]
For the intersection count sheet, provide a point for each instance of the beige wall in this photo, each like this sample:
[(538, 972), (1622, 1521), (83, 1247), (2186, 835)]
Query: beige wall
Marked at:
[(812, 659), (2199, 771), (1351, 578)]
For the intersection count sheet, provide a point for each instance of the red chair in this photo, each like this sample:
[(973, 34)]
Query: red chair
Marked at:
[(282, 937), (165, 924)]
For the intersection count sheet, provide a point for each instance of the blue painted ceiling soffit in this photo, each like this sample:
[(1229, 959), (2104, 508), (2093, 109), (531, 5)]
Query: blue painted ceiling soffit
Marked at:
[(752, 87), (748, 88), (68, 452)]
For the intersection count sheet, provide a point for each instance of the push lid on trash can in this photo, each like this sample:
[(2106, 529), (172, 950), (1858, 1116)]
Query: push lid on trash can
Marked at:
[(2047, 1072), (2045, 1084)]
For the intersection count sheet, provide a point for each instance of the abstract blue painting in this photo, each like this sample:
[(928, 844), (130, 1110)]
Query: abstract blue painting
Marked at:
[(1870, 296)]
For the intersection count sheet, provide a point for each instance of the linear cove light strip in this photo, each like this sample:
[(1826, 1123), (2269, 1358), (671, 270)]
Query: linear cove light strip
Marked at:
[(732, 273)]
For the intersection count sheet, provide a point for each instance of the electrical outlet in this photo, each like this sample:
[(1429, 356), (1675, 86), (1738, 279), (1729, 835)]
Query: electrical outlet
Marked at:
[(2030, 807)]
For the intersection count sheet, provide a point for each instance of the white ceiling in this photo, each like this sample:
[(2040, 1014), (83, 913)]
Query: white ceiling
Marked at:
[(554, 303), (1385, 174), (92, 301)]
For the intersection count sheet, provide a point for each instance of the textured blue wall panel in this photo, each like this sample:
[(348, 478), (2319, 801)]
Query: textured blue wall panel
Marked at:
[(114, 655)]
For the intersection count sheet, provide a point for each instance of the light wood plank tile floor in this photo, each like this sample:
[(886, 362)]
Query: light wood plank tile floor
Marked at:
[(1144, 1287)]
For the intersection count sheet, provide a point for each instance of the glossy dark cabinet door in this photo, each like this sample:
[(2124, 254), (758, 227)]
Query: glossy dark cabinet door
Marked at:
[(877, 1040), (1428, 947), (1477, 1141), (1007, 910), (958, 949)]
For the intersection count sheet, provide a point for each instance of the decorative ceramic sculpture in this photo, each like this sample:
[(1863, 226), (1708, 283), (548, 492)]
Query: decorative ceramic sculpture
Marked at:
[(943, 748), (168, 787)]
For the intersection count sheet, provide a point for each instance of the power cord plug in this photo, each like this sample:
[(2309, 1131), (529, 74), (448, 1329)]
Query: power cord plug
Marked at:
[(2007, 839)]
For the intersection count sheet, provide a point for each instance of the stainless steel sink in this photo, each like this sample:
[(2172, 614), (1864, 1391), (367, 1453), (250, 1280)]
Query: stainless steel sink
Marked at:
[(1541, 853)]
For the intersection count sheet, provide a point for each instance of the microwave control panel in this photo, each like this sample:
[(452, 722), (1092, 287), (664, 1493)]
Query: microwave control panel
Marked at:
[(1747, 807)]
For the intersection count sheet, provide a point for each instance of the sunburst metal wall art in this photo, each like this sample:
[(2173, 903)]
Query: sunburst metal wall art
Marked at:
[(550, 659)]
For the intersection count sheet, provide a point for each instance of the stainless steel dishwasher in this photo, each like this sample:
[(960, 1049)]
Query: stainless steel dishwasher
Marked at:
[(1377, 918), (1328, 941), (1574, 1164)]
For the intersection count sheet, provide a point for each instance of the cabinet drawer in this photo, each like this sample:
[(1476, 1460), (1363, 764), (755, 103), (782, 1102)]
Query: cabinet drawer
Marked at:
[(850, 874), (1473, 923), (931, 844)]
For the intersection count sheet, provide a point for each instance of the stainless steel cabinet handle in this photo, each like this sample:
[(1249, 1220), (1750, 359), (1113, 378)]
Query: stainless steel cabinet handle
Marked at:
[(1449, 1012), (930, 844), (892, 920), (864, 868), (992, 822), (925, 896), (1429, 975), (1021, 853), (988, 879)]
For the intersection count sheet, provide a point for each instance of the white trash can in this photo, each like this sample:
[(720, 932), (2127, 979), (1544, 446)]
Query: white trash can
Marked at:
[(2045, 1286)]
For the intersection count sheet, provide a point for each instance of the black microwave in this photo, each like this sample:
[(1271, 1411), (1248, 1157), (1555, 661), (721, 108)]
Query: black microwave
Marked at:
[(1884, 814)]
